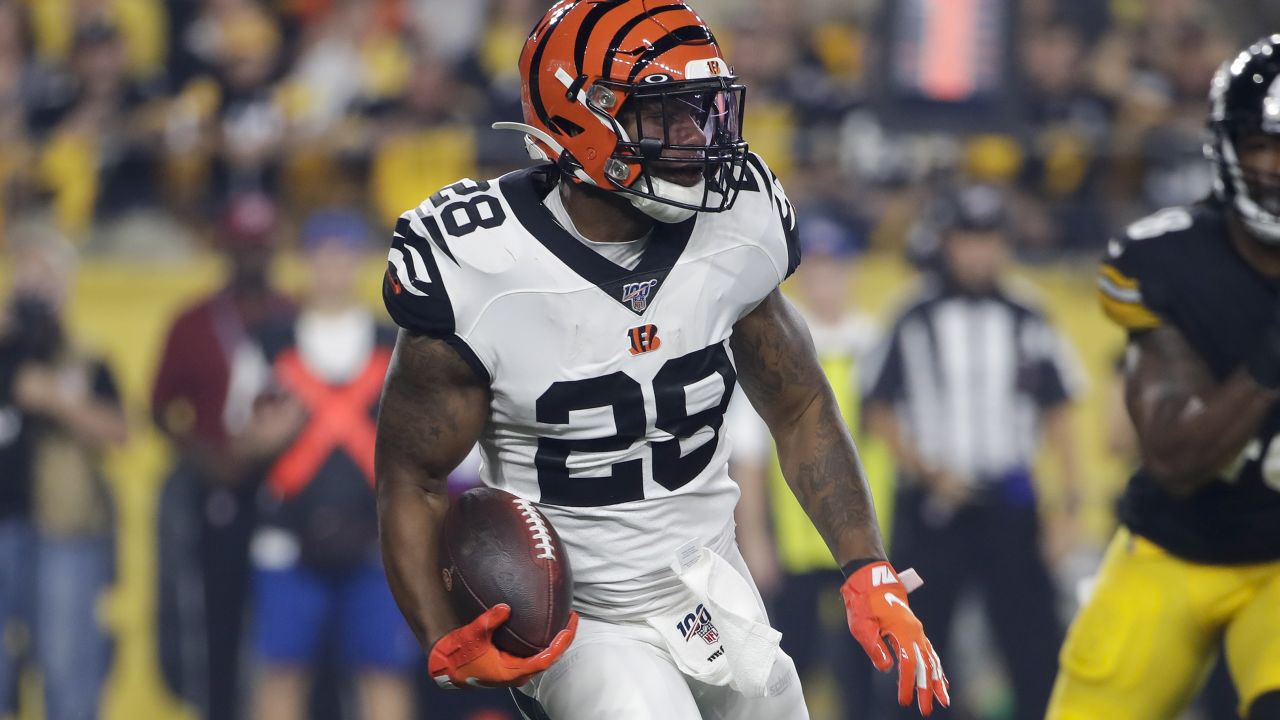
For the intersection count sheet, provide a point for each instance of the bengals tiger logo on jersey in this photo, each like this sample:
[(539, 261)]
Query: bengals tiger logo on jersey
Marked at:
[(644, 339)]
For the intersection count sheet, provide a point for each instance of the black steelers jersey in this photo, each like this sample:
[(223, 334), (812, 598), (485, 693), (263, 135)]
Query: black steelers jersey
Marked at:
[(1178, 268)]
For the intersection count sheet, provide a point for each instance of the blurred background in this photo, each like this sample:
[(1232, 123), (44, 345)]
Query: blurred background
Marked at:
[(180, 177)]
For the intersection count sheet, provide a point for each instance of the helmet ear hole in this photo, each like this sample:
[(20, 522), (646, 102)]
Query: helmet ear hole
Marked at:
[(566, 126)]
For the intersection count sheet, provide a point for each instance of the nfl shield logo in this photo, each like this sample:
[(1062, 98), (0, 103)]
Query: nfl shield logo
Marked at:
[(699, 623), (638, 294)]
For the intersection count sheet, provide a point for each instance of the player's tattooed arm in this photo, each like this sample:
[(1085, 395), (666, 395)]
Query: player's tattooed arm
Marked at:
[(779, 370), (1189, 426), (433, 410)]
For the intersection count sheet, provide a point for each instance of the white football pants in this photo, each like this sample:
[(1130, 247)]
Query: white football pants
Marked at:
[(623, 671)]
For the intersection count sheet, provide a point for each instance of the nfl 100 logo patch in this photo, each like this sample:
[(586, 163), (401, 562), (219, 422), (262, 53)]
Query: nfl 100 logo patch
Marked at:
[(637, 294), (698, 623)]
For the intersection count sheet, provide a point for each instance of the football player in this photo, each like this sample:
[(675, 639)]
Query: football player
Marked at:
[(1197, 559), (585, 320)]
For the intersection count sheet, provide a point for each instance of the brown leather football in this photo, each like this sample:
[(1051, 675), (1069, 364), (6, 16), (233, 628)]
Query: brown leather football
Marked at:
[(498, 548)]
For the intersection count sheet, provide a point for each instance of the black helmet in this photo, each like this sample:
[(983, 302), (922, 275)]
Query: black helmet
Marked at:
[(1245, 106)]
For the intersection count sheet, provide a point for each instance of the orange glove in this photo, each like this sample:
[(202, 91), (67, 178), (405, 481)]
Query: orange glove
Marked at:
[(876, 604), (467, 656)]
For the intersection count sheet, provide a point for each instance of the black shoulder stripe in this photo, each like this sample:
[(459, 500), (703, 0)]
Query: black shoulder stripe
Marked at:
[(793, 248), (763, 172), (786, 213), (433, 229), (621, 35), (416, 303), (413, 261), (687, 35)]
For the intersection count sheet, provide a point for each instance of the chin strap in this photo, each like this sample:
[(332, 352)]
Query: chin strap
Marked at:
[(653, 205)]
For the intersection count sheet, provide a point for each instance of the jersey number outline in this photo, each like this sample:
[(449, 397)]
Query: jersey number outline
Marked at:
[(472, 208), (672, 466), (1172, 219)]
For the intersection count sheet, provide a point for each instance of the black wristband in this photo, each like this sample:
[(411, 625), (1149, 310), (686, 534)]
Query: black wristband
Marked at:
[(854, 566)]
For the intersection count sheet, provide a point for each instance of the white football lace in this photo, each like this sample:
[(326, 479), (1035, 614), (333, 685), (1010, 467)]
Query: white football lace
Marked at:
[(541, 533)]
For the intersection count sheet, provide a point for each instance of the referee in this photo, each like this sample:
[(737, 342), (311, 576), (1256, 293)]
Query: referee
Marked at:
[(968, 382)]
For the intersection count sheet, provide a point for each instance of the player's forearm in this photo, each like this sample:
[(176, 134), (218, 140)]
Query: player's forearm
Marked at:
[(1187, 442), (821, 465), (409, 519)]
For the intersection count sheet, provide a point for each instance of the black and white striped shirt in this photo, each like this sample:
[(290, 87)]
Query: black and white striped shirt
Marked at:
[(969, 377)]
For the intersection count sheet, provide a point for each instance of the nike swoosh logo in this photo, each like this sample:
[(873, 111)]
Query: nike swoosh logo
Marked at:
[(895, 600)]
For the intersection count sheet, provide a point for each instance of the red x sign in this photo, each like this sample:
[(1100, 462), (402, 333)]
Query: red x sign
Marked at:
[(337, 417)]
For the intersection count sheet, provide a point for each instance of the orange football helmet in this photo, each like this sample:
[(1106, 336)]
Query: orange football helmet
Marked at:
[(619, 93)]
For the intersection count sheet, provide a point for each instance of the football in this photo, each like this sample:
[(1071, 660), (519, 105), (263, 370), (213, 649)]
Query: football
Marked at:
[(498, 548)]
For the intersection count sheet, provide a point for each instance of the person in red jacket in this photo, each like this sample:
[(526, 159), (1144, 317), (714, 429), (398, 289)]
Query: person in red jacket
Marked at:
[(211, 370)]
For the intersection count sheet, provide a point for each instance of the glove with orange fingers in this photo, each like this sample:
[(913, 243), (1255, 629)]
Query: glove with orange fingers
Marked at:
[(467, 657), (875, 601)]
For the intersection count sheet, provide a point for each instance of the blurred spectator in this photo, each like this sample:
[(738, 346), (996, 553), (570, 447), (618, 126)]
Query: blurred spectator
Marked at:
[(766, 57), (352, 56), (1172, 151), (317, 575), (424, 138), (16, 149), (61, 409), (1070, 128), (99, 157), (969, 379), (141, 23), (253, 118), (203, 33), (452, 29), (235, 117), (212, 369), (788, 560)]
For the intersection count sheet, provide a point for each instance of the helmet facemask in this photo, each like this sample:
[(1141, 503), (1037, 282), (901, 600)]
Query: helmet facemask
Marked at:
[(680, 149), (1249, 163)]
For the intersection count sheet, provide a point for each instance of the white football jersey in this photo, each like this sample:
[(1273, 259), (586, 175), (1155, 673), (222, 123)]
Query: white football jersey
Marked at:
[(608, 385)]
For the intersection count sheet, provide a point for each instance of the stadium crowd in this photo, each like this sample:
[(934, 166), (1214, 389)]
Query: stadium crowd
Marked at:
[(128, 122), (162, 130)]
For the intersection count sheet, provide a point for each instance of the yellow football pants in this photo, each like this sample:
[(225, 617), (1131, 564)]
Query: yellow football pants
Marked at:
[(1144, 642)]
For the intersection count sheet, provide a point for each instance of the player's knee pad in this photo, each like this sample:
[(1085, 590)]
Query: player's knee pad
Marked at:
[(1266, 706)]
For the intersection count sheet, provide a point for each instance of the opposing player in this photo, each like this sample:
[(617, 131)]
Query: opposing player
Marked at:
[(585, 320), (1197, 560)]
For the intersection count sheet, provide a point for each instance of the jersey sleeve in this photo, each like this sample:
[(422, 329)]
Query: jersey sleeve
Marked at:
[(424, 283), (777, 217), (1133, 276)]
